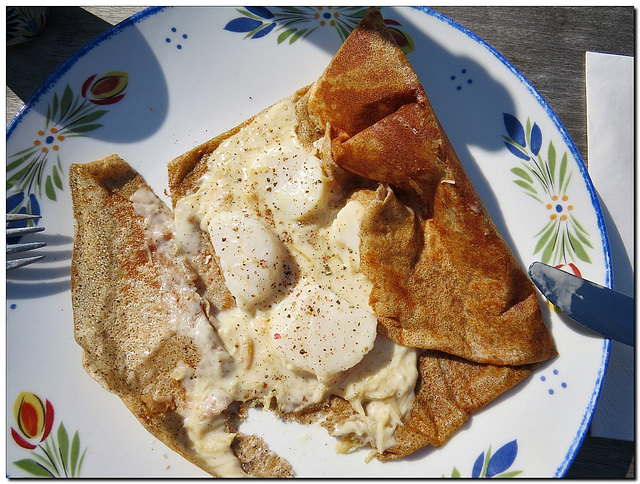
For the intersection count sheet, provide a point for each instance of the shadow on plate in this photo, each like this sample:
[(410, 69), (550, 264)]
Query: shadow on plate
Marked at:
[(47, 276)]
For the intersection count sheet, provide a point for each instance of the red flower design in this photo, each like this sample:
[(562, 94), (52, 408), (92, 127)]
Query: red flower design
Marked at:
[(107, 89), (34, 420), (570, 268)]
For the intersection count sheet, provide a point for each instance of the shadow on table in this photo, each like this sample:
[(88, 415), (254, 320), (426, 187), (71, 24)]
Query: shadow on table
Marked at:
[(30, 64)]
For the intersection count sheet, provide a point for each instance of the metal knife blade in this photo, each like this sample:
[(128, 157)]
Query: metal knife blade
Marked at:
[(599, 308)]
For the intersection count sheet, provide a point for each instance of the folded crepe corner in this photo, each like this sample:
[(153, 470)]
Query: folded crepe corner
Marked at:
[(448, 281)]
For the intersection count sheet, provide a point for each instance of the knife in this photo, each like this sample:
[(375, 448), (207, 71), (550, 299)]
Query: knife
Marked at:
[(599, 308)]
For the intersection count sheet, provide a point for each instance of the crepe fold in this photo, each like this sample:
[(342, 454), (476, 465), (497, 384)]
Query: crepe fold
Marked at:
[(444, 280), (443, 276)]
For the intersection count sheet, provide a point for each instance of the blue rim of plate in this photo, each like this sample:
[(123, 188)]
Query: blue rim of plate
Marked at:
[(47, 85)]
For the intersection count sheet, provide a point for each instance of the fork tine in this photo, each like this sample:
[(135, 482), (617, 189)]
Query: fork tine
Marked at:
[(14, 264), (16, 217), (14, 248), (19, 231), (15, 232)]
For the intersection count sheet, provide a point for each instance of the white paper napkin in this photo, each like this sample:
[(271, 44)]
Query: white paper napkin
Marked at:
[(610, 127)]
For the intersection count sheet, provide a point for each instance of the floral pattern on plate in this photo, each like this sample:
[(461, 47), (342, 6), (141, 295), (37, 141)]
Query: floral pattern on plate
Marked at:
[(494, 464), (563, 240), (69, 115), (295, 23), (51, 455)]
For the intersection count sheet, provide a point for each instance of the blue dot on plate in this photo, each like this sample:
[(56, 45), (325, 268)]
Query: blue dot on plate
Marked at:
[(13, 306), (550, 391), (173, 29), (555, 372), (168, 40), (184, 36), (543, 378)]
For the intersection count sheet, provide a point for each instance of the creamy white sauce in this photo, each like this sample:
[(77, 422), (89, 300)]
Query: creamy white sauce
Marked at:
[(302, 329), (185, 316)]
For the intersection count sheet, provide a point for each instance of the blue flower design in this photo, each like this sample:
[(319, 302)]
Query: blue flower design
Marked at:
[(295, 23), (494, 465)]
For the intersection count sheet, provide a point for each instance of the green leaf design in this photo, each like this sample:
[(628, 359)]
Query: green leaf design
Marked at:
[(296, 35), (81, 461), (54, 109), (548, 251), (249, 14), (537, 199), (522, 174), (515, 145), (485, 465), (525, 185), (88, 118), (16, 177), (65, 103), (509, 474), (545, 237), (551, 159), (34, 468), (49, 190), (63, 446), (577, 225), (580, 252), (85, 128), (563, 189), (56, 177), (343, 31), (539, 175), (19, 161), (580, 235), (283, 36), (52, 454), (75, 451), (563, 172), (46, 463)]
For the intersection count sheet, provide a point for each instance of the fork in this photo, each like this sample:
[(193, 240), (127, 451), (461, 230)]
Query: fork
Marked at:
[(22, 247)]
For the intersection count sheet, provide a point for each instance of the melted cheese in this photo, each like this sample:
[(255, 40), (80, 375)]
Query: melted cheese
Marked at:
[(302, 329)]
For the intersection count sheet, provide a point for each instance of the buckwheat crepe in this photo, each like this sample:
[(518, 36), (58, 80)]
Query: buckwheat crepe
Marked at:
[(443, 279)]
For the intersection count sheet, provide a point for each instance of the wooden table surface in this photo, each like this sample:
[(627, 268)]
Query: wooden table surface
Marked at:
[(546, 44)]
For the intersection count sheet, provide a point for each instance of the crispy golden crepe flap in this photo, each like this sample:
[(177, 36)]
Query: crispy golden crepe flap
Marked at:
[(444, 279)]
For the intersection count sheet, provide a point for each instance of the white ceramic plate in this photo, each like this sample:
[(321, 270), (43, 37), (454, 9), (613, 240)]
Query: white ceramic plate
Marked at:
[(166, 80)]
